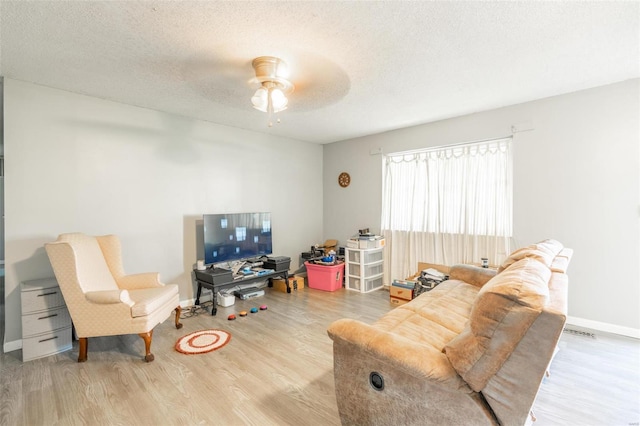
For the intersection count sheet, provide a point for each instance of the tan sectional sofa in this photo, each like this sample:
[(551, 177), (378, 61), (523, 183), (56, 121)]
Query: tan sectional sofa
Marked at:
[(472, 351)]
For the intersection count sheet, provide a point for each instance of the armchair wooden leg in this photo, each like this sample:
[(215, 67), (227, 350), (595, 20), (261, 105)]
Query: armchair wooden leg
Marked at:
[(147, 345), (82, 349), (178, 324)]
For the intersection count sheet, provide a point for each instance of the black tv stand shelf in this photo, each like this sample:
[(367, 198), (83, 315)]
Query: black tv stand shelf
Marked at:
[(218, 279)]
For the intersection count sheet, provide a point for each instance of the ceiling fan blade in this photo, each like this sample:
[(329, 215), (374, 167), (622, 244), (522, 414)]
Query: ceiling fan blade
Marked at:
[(318, 82)]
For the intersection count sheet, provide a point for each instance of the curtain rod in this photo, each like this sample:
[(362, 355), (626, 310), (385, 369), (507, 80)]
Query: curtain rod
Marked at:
[(415, 151)]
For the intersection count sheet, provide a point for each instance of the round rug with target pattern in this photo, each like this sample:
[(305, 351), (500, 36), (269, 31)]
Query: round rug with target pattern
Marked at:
[(203, 341)]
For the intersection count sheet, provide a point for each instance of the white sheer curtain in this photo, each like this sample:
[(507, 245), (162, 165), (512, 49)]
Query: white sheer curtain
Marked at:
[(447, 205)]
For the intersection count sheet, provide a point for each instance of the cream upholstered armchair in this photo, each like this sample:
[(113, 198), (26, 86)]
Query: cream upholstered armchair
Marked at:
[(101, 298)]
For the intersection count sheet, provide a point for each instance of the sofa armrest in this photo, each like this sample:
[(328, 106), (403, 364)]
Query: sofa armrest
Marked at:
[(138, 281), (473, 275), (108, 297), (412, 357)]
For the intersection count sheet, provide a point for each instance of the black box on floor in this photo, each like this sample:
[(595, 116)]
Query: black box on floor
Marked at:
[(215, 275), (277, 263)]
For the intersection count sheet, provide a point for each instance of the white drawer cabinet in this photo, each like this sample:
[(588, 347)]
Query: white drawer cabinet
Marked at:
[(364, 269), (46, 324)]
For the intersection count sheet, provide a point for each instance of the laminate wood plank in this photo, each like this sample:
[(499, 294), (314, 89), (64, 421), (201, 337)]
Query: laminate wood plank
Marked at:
[(595, 380), (11, 394), (277, 370)]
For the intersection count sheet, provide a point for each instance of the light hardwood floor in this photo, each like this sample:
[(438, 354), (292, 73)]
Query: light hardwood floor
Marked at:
[(277, 370)]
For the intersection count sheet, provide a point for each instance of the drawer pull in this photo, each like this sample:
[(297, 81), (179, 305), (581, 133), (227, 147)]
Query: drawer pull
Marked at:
[(48, 294), (45, 340), (48, 316)]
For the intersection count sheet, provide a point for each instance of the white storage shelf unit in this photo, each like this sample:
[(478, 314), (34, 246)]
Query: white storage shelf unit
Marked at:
[(46, 323), (364, 269)]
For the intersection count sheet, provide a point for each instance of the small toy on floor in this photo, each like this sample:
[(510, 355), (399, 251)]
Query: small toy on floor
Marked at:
[(263, 307)]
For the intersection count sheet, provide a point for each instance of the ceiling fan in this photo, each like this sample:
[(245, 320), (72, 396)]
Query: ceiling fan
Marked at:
[(307, 81), (271, 76)]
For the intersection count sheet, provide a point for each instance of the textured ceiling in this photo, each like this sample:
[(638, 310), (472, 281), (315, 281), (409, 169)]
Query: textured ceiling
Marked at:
[(359, 67)]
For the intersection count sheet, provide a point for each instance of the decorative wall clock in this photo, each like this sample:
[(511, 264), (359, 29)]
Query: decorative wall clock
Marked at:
[(344, 179)]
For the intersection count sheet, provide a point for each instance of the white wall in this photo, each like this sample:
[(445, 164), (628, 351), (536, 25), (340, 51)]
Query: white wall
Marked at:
[(76, 163), (1, 177), (576, 179)]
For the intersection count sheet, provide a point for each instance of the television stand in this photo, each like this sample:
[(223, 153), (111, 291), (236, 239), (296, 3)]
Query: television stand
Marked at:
[(217, 279)]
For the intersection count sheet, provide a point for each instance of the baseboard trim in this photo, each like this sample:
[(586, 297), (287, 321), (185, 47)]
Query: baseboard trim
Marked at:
[(606, 327), (12, 346), (190, 302)]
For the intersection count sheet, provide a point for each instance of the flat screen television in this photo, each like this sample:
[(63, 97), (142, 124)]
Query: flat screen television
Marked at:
[(231, 237)]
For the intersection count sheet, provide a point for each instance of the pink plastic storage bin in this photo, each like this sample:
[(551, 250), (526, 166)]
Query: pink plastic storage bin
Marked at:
[(325, 277)]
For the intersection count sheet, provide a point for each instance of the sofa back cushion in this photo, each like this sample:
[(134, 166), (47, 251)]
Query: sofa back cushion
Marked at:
[(504, 310), (544, 251)]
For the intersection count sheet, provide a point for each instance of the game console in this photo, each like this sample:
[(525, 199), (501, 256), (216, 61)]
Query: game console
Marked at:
[(277, 263), (248, 293), (214, 276)]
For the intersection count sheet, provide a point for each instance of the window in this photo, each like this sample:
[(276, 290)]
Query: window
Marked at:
[(241, 233), (447, 205)]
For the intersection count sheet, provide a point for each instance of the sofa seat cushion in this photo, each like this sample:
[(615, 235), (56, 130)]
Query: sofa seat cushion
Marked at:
[(433, 318), (148, 300), (503, 312), (544, 251)]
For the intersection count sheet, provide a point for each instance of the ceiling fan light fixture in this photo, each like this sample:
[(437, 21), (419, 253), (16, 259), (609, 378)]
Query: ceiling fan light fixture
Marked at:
[(259, 99), (271, 96), (279, 100)]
